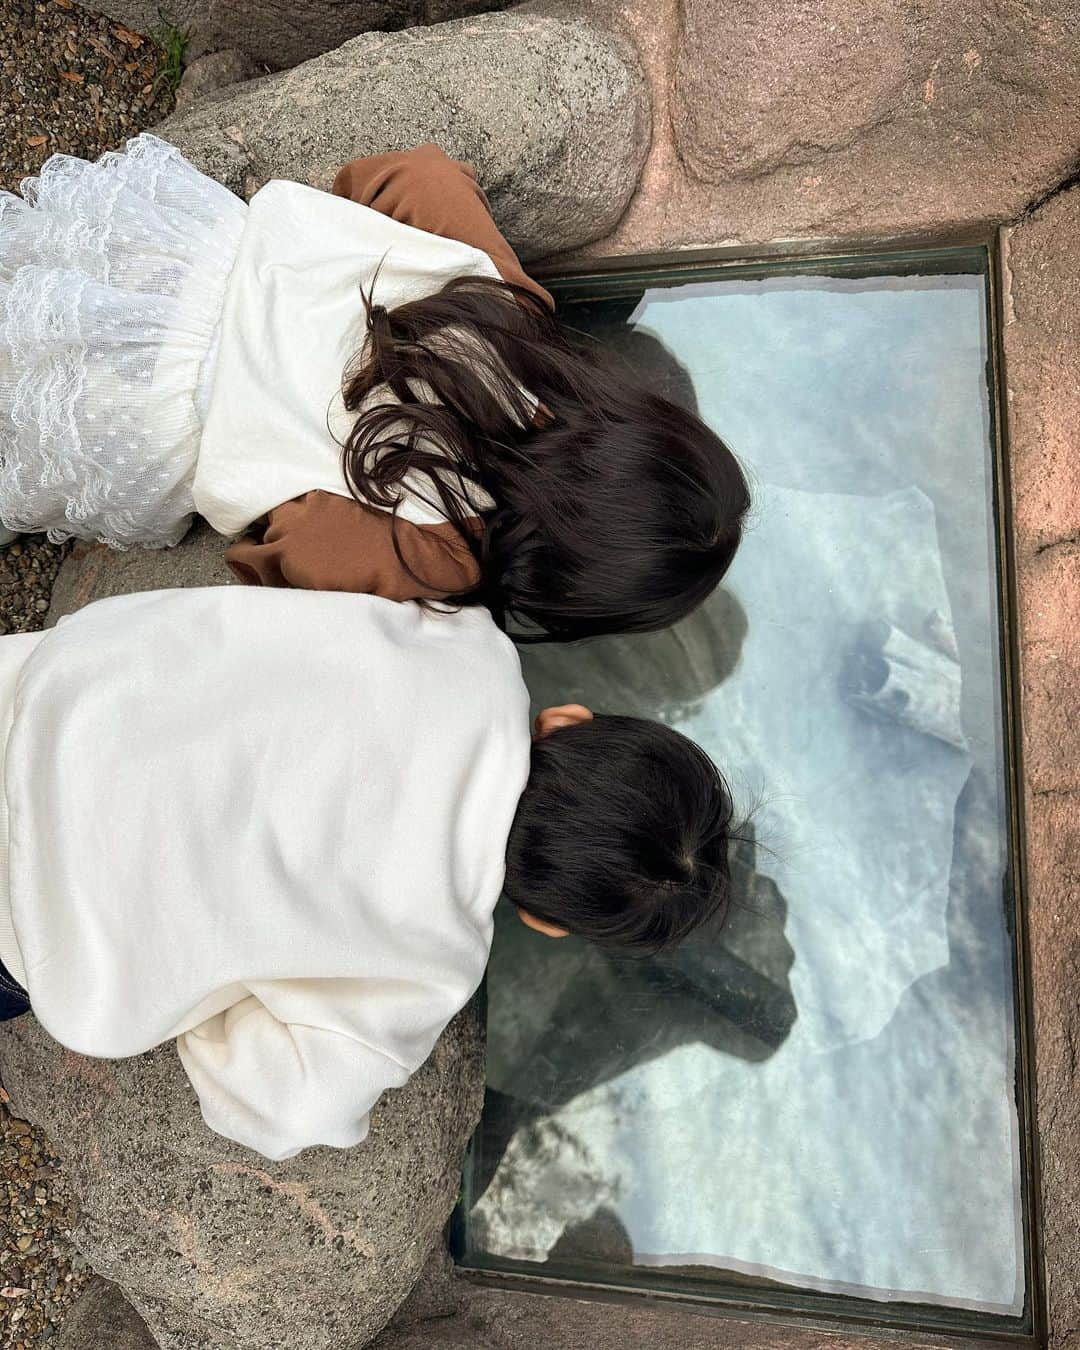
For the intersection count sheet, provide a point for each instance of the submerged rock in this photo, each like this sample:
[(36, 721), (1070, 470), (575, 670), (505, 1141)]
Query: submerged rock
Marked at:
[(890, 675), (552, 112)]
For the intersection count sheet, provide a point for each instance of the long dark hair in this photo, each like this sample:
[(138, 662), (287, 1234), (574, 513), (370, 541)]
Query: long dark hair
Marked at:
[(616, 511), (621, 834)]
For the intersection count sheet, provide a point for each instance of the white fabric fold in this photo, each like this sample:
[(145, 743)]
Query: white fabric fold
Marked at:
[(14, 649), (271, 823)]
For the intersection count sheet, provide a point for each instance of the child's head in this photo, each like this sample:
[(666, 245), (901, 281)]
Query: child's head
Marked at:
[(621, 834), (616, 511)]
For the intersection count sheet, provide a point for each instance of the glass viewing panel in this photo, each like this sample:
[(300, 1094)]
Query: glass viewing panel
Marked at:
[(820, 1097)]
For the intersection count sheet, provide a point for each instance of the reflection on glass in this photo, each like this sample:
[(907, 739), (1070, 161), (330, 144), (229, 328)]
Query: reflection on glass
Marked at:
[(821, 1094)]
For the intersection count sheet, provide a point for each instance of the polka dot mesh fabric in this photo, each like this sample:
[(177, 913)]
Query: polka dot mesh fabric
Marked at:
[(112, 282)]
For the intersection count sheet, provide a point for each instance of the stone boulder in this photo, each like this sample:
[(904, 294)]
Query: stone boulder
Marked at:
[(850, 119), (552, 112), (870, 102), (762, 84), (1041, 335), (94, 572), (209, 74), (103, 1319), (219, 1249), (277, 33)]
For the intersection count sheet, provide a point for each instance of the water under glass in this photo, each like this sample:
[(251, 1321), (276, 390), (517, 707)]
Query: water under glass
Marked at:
[(820, 1093)]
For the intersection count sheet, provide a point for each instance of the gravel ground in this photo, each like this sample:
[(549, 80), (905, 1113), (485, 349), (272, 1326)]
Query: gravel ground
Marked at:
[(39, 1271), (74, 82), (28, 569)]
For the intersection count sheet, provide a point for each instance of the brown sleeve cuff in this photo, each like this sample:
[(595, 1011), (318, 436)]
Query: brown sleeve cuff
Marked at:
[(325, 542), (427, 189)]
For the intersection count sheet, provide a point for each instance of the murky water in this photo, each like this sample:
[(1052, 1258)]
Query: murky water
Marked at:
[(822, 1094)]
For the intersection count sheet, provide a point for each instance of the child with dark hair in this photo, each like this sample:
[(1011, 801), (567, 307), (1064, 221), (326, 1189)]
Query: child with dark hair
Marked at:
[(368, 380), (274, 826), (621, 835)]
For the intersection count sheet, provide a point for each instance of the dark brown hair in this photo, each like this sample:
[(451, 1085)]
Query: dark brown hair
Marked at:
[(621, 834), (615, 510)]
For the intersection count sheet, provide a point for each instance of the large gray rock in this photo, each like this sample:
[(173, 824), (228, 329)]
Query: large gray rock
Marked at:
[(219, 1249), (552, 112), (280, 33)]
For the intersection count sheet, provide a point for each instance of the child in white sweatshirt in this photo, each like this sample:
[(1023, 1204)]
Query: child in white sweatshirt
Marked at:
[(274, 825)]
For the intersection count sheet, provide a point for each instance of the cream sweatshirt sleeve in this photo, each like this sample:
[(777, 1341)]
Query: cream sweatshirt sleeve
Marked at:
[(278, 1087), (305, 912)]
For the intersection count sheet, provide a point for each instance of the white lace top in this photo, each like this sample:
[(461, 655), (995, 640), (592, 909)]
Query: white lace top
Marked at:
[(164, 346)]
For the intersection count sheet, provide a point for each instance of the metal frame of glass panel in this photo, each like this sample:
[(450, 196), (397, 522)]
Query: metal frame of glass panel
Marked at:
[(589, 279)]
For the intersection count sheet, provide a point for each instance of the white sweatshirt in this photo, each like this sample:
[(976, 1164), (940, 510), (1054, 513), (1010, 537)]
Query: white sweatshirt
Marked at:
[(271, 824), (292, 321)]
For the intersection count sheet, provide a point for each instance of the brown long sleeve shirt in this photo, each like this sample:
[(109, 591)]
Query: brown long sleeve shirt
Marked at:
[(323, 541)]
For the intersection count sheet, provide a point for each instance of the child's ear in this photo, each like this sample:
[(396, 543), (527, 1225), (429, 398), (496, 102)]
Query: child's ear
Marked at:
[(541, 925), (565, 715)]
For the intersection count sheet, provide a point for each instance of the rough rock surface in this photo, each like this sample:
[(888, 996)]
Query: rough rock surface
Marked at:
[(103, 1319), (93, 571), (495, 1319), (781, 119), (553, 113), (1041, 267), (208, 74), (785, 81), (277, 33), (219, 1249)]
